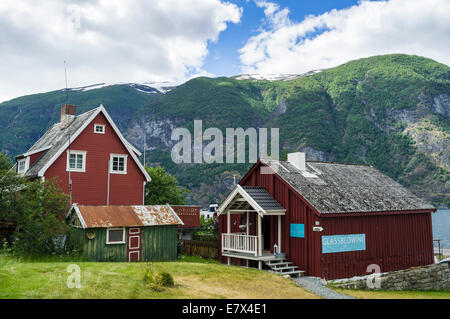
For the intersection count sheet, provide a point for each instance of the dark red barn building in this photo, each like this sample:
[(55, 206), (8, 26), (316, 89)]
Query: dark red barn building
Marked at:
[(323, 219), (90, 159)]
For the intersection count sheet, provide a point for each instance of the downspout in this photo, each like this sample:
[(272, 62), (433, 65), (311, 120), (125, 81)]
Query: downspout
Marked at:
[(143, 194), (107, 190)]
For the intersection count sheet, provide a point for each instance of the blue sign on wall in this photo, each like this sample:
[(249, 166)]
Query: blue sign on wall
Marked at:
[(298, 230), (343, 243)]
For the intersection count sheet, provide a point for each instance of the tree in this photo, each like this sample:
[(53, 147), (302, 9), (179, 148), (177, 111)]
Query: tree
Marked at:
[(37, 209), (163, 188), (5, 162)]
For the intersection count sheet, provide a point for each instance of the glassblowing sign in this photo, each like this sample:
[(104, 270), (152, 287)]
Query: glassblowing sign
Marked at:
[(343, 243)]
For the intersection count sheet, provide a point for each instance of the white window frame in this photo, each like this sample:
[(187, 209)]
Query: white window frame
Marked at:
[(111, 157), (99, 125), (83, 165), (115, 242), (25, 160)]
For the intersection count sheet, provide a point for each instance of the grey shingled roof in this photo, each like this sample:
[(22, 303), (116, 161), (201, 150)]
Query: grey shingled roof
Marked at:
[(345, 188), (263, 198), (55, 138)]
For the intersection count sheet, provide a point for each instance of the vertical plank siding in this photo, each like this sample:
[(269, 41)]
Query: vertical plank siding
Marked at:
[(158, 243), (394, 241), (205, 249)]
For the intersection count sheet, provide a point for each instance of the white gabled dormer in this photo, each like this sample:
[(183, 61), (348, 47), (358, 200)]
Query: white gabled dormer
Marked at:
[(23, 165)]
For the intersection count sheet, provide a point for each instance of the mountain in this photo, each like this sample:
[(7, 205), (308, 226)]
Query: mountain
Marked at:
[(390, 111)]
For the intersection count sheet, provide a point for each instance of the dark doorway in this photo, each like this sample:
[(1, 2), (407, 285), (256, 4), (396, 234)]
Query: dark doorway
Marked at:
[(266, 232)]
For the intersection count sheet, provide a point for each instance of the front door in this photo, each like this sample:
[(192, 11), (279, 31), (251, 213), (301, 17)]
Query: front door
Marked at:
[(134, 248), (266, 233)]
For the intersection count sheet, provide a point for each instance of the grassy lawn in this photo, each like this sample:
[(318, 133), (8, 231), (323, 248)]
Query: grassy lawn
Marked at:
[(387, 294), (193, 278)]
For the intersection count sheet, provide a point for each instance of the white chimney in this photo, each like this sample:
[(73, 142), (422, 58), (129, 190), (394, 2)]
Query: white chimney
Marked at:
[(68, 114), (298, 159)]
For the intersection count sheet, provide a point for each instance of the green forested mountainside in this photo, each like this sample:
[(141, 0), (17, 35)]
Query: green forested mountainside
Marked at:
[(390, 111), (25, 119)]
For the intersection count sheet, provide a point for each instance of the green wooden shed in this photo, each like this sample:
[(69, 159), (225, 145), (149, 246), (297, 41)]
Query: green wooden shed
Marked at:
[(125, 233)]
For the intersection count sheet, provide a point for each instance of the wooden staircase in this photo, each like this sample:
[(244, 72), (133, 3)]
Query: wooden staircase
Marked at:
[(282, 266)]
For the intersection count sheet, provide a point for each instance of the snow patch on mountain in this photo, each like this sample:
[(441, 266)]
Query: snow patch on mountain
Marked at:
[(148, 87), (274, 77)]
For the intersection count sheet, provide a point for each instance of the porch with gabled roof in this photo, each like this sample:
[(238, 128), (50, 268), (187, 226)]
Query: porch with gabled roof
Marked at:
[(246, 200)]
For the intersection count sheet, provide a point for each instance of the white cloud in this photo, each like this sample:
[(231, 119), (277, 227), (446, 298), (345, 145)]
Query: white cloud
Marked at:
[(105, 41), (335, 37)]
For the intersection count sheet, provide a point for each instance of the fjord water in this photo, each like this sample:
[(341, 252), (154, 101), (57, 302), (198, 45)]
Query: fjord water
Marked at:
[(441, 227)]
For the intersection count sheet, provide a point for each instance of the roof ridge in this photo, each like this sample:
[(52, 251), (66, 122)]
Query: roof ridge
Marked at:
[(338, 163)]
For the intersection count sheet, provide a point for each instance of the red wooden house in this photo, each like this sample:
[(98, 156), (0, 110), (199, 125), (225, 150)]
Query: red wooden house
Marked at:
[(90, 159), (327, 220)]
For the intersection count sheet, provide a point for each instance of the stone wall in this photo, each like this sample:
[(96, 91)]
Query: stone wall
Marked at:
[(432, 277)]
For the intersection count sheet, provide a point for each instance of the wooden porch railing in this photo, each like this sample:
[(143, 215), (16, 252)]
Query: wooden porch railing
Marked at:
[(240, 243)]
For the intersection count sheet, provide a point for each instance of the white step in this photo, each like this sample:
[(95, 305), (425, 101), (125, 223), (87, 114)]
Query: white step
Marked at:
[(284, 268), (290, 273), (280, 264), (294, 272), (276, 261)]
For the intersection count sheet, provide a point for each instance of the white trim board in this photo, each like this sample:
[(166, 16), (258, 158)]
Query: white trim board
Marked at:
[(256, 207), (37, 150), (79, 215)]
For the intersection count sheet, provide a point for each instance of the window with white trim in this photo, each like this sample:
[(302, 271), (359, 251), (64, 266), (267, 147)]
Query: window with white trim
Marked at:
[(99, 128), (118, 164), (22, 165), (115, 235), (76, 161)]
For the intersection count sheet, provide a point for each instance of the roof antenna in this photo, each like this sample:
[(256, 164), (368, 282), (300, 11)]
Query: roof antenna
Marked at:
[(68, 131), (67, 90), (144, 147)]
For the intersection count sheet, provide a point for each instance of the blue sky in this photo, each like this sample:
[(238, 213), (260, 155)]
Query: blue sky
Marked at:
[(223, 57), (124, 41)]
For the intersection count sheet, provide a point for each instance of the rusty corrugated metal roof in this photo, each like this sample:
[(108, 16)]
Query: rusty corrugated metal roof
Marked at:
[(127, 216)]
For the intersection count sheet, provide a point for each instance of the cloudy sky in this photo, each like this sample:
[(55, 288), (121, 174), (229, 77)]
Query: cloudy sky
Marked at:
[(174, 40)]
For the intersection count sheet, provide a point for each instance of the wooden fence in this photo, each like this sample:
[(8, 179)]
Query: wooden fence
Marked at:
[(206, 249)]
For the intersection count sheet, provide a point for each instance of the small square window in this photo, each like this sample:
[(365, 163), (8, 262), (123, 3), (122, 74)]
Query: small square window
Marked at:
[(99, 128)]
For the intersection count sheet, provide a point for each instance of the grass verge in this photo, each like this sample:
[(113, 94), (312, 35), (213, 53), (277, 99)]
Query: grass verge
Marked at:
[(193, 278)]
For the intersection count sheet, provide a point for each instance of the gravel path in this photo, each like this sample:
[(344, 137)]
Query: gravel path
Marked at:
[(318, 287)]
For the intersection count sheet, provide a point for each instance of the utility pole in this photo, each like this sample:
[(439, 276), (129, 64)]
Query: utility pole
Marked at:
[(145, 137)]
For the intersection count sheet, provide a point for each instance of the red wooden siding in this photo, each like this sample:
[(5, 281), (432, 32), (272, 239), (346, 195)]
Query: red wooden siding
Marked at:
[(396, 240), (90, 187), (190, 215), (393, 242), (235, 221), (35, 156)]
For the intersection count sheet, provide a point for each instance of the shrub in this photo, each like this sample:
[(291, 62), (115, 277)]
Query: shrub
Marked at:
[(164, 279), (157, 281)]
